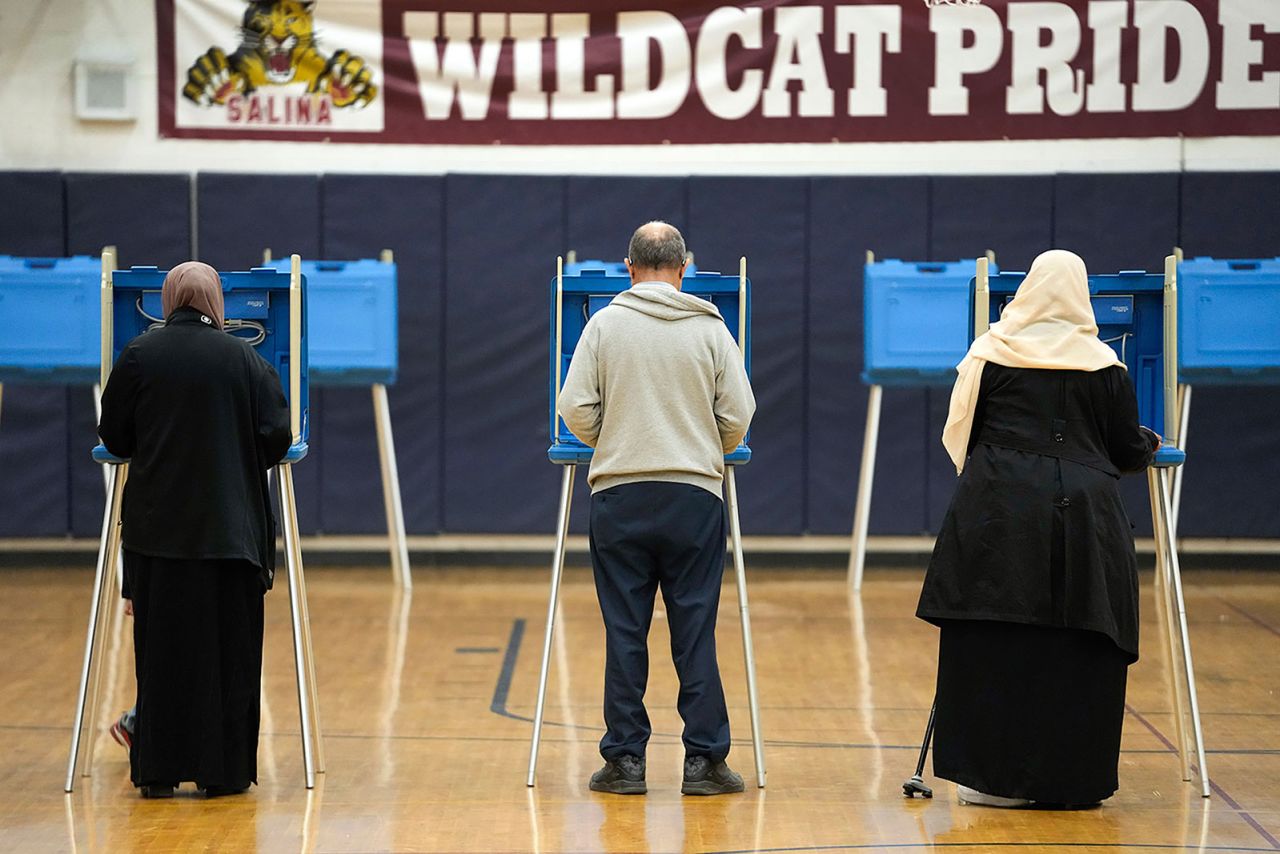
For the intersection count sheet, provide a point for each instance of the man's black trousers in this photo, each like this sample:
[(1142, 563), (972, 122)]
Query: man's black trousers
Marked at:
[(646, 536)]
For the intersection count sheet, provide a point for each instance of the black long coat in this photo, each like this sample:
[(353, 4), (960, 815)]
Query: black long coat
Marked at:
[(1036, 532), (202, 417)]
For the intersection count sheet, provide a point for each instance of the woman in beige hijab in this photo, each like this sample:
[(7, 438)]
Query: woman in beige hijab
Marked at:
[(201, 417), (1033, 580)]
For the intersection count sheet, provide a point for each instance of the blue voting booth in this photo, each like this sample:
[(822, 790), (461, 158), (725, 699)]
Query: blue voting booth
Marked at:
[(574, 298), (352, 338), (913, 336), (266, 307), (257, 308), (1129, 308), (1228, 331), (1137, 315), (1229, 321), (612, 268), (591, 289), (49, 320)]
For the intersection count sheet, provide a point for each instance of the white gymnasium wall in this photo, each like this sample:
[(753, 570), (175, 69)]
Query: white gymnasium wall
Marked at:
[(40, 39)]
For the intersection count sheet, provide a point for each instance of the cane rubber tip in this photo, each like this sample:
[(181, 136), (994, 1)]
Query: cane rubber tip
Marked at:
[(915, 786)]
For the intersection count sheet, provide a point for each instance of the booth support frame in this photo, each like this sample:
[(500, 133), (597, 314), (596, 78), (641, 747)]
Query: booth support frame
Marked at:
[(867, 468), (392, 501), (102, 612)]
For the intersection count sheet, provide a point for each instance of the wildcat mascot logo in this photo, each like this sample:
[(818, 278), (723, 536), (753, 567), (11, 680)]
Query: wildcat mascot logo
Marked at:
[(278, 75)]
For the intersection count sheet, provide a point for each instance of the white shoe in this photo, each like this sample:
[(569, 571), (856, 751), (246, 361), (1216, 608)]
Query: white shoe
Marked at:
[(982, 799)]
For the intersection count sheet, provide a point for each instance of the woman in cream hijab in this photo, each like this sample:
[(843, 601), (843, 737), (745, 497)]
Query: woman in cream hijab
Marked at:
[(1033, 581)]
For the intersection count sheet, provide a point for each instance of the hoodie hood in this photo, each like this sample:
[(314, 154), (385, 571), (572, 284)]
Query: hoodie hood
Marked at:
[(664, 302)]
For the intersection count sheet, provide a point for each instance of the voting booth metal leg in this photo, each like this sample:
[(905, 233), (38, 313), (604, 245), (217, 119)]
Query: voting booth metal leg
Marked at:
[(1179, 637), (557, 570), (307, 646), (1165, 612), (1184, 411), (748, 648), (301, 632), (391, 489), (866, 477), (108, 549)]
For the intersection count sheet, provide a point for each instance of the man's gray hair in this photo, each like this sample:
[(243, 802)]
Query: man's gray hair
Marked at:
[(657, 246)]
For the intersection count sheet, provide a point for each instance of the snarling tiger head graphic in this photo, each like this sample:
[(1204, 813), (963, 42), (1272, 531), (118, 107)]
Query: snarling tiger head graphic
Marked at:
[(280, 32), (278, 47)]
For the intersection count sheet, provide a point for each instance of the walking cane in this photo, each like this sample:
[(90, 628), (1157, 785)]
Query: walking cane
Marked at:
[(915, 786)]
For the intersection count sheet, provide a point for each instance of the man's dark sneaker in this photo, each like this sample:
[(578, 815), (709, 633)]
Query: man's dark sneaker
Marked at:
[(623, 776), (704, 777), (158, 791)]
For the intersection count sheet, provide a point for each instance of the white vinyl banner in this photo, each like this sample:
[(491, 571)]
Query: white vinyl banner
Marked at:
[(245, 66)]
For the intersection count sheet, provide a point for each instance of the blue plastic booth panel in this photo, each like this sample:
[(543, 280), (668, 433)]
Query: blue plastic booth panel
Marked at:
[(593, 289), (352, 321), (914, 321), (1129, 309), (50, 319), (260, 295), (1229, 321), (610, 268)]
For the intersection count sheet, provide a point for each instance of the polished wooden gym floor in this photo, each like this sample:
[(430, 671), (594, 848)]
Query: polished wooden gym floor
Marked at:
[(426, 705)]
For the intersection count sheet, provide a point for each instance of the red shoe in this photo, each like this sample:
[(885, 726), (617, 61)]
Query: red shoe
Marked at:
[(122, 736)]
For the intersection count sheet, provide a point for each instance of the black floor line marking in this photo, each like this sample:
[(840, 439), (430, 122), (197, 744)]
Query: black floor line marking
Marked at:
[(906, 846), (1257, 621), (1230, 801)]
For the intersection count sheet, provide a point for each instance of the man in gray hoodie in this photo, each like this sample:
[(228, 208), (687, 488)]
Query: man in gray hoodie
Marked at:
[(657, 386)]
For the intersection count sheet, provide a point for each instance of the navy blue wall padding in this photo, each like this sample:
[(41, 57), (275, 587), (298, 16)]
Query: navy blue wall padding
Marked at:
[(1010, 215), (1231, 214), (237, 217), (848, 216), (1232, 486), (148, 219), (34, 482), (601, 213), (765, 219), (502, 235), (362, 216), (34, 487), (32, 216)]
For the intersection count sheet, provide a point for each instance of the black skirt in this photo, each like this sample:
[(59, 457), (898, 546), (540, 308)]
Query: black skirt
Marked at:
[(1029, 711), (197, 634)]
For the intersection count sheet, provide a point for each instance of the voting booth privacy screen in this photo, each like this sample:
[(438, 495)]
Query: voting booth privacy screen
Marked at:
[(914, 321), (352, 336), (1129, 310), (1229, 321), (50, 319), (592, 287), (256, 309)]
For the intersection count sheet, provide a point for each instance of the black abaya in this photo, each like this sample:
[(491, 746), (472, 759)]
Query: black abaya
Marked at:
[(197, 632), (1029, 712)]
